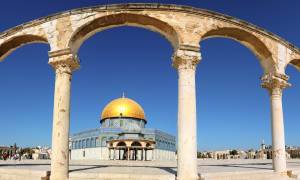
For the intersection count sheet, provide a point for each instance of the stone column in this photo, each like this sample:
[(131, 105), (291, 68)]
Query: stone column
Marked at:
[(109, 153), (152, 155), (118, 154), (275, 83), (114, 153), (63, 65), (185, 61), (128, 154), (143, 157)]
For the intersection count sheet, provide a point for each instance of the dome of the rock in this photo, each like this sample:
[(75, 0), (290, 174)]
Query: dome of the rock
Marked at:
[(123, 107)]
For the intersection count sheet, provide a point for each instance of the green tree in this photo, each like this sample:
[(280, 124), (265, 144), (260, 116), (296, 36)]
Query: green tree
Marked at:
[(199, 155), (28, 151), (233, 152)]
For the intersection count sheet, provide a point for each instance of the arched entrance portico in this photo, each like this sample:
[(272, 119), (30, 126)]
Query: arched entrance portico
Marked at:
[(184, 27), (131, 149)]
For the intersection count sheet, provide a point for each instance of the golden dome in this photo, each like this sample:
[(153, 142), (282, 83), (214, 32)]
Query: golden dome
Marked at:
[(123, 107)]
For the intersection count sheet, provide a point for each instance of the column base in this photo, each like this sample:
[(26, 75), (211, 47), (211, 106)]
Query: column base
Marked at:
[(188, 178), (58, 178)]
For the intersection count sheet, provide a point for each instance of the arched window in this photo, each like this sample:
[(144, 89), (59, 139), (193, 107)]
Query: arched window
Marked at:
[(76, 144), (103, 142), (92, 142), (80, 144), (88, 143), (83, 143)]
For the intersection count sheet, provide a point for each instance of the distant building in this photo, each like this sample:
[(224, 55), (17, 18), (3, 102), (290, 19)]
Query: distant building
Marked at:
[(9, 150), (293, 151), (242, 155), (251, 154), (41, 153), (221, 154), (262, 153)]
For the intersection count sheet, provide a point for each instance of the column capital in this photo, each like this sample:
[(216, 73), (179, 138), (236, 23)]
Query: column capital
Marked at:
[(275, 82), (186, 57), (63, 61)]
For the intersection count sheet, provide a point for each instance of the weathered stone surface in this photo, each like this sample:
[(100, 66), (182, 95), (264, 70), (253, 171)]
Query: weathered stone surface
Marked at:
[(186, 62), (275, 83), (181, 25)]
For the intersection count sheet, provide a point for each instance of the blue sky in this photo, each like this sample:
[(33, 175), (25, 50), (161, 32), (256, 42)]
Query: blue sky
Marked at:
[(232, 110)]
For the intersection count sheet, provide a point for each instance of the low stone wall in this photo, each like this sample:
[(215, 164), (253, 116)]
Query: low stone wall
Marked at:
[(163, 155), (23, 174), (100, 153)]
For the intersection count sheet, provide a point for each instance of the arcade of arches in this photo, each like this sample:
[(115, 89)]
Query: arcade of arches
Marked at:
[(130, 150), (184, 27)]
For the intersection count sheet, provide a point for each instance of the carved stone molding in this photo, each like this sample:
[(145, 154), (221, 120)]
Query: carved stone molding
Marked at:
[(186, 58), (61, 68), (60, 52), (63, 61), (275, 83)]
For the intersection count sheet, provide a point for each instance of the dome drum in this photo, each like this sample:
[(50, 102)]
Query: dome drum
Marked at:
[(122, 118)]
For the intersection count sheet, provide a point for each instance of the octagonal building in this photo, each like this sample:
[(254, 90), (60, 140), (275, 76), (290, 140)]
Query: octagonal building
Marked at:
[(123, 136)]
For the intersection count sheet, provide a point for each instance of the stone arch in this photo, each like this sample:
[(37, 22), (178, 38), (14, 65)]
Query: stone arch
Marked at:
[(122, 143), (148, 145), (122, 19), (15, 42), (135, 143), (247, 39), (295, 63)]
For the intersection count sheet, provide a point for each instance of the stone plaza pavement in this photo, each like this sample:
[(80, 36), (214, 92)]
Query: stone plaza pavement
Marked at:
[(94, 169)]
